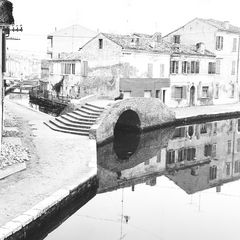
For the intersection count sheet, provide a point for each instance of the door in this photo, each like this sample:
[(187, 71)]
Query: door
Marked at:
[(158, 94), (192, 96), (163, 96)]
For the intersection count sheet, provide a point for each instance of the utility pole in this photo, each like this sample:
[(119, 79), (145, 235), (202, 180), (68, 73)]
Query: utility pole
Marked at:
[(6, 20)]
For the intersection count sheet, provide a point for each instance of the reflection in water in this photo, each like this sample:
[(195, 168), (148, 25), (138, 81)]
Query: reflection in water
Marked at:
[(195, 157), (192, 158), (125, 143)]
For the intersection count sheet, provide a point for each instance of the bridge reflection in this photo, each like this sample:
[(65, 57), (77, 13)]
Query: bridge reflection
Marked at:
[(195, 157)]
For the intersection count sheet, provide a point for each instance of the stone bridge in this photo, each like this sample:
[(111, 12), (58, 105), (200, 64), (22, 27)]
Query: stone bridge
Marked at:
[(131, 113)]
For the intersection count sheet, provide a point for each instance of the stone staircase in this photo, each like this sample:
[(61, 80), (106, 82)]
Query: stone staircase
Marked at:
[(77, 122)]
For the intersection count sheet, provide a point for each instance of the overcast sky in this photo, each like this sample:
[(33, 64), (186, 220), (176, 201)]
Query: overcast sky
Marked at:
[(40, 18)]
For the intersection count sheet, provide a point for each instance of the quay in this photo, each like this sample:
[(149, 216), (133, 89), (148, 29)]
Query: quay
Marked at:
[(63, 167)]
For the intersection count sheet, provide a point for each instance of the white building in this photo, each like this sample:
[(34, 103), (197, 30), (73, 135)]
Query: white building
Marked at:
[(222, 39), (68, 40)]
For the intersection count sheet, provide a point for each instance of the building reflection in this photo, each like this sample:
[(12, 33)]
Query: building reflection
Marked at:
[(195, 157)]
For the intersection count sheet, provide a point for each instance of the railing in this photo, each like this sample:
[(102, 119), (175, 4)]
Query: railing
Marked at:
[(47, 95)]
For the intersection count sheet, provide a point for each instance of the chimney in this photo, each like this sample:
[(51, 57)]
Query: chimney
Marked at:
[(157, 37), (226, 24), (218, 189), (200, 47)]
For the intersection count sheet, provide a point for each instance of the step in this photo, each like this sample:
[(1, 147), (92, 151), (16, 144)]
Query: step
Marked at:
[(63, 126), (81, 114), (63, 121), (74, 120), (80, 118), (55, 128), (92, 109), (87, 112), (94, 106)]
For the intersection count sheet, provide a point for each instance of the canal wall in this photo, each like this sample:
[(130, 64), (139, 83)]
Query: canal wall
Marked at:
[(51, 212)]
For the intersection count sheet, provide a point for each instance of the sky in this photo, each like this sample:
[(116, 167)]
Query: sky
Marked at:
[(39, 18)]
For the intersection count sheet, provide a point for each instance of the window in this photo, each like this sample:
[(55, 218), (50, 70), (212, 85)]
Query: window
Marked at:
[(84, 68), (191, 152), (127, 94), (213, 173), (211, 68), (190, 131), (170, 156), (205, 92), (219, 43), (68, 68), (181, 155), (238, 125), (179, 132), (232, 91), (214, 150), (73, 68), (238, 145), (150, 70), (159, 157), (176, 39), (203, 128), (100, 43), (185, 67), (218, 66), (215, 128), (147, 93), (228, 169), (229, 146), (161, 70), (216, 91), (208, 150), (194, 67), (230, 125), (179, 92), (174, 66), (234, 49), (237, 167), (233, 67)]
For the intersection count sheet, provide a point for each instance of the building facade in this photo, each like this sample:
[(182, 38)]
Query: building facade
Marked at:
[(137, 64), (67, 40), (222, 39)]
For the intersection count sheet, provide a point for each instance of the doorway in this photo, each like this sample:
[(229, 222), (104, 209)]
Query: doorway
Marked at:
[(192, 96)]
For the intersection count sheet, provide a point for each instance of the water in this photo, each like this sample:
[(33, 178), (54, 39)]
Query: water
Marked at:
[(175, 183)]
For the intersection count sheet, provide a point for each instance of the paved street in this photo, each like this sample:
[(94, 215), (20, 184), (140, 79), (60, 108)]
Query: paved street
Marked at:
[(59, 160), (201, 110)]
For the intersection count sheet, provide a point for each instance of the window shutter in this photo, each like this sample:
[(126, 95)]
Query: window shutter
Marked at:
[(197, 67), (177, 65), (173, 92), (171, 67), (184, 92), (188, 67), (161, 70), (183, 66), (199, 90)]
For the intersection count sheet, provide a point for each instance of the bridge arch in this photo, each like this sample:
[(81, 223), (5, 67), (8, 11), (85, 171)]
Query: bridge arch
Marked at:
[(141, 113)]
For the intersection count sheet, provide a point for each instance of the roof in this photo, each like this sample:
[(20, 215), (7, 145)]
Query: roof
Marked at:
[(150, 45), (220, 25), (178, 49), (74, 56), (74, 31), (6, 9), (145, 43)]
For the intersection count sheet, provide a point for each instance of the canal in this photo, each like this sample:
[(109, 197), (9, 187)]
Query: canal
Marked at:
[(173, 183)]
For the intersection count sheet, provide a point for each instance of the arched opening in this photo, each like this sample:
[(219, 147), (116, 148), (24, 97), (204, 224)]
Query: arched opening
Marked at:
[(126, 134), (128, 121), (192, 96)]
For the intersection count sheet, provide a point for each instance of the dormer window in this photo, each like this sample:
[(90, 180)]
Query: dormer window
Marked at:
[(100, 43), (176, 39)]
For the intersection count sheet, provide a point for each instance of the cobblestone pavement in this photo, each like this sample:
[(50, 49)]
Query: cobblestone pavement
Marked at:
[(185, 112), (58, 160)]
